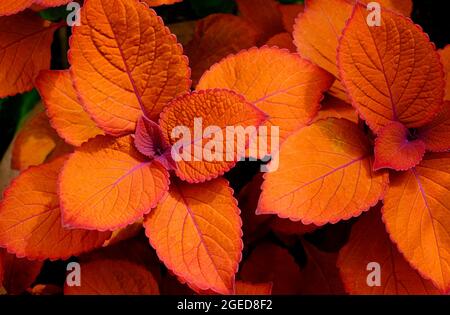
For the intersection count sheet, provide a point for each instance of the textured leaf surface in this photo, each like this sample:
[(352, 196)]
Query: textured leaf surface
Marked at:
[(19, 273), (283, 85), (107, 184), (114, 277), (30, 218), (320, 275), (220, 108), (264, 15), (337, 108), (416, 213), (12, 7), (35, 142), (394, 150), (24, 52), (436, 134), (196, 231), (216, 37), (325, 175), (138, 65), (282, 40), (247, 288), (271, 263), (400, 6), (66, 114), (390, 78), (368, 243), (445, 59)]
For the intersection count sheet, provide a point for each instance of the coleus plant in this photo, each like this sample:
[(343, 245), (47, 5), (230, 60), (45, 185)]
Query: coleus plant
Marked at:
[(129, 86)]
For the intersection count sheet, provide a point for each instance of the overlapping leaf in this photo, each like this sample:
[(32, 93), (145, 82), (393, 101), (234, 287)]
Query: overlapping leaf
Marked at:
[(218, 110), (289, 13), (390, 78), (369, 243), (337, 108), (138, 65), (247, 288), (445, 59), (156, 3), (66, 114), (196, 231), (24, 51), (416, 213), (30, 218), (436, 134), (107, 184), (114, 277), (216, 37), (325, 175), (282, 40), (283, 85)]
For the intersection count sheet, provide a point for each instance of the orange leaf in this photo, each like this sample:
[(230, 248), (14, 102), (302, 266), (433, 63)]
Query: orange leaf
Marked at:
[(215, 37), (24, 52), (156, 3), (66, 114), (51, 3), (35, 142), (283, 85), (219, 108), (289, 13), (136, 68), (445, 59), (19, 273), (400, 6), (325, 175), (107, 184), (247, 288), (320, 275), (196, 231), (337, 108), (264, 15), (370, 243), (114, 277), (416, 213), (282, 40), (30, 218), (9, 7), (394, 149), (390, 78), (436, 134), (271, 263)]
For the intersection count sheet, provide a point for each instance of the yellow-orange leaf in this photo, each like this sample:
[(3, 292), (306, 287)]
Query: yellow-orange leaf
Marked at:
[(66, 114), (335, 107), (196, 231), (125, 61), (325, 175), (390, 78), (283, 85), (25, 41), (30, 218), (416, 213), (35, 142), (107, 184), (219, 108), (370, 243), (114, 277)]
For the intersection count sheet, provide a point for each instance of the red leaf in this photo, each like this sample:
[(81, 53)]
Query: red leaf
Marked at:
[(436, 134), (136, 68), (30, 218), (416, 213), (289, 13), (107, 184), (156, 3), (445, 59), (196, 231), (8, 7), (390, 78), (215, 37), (23, 52), (282, 40), (325, 175), (19, 273), (246, 288), (271, 263), (368, 243), (394, 150), (114, 277)]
